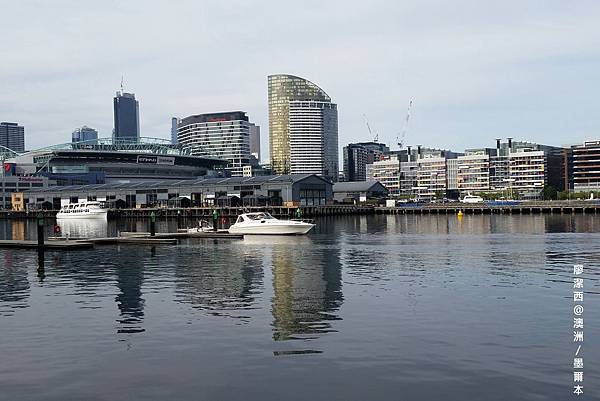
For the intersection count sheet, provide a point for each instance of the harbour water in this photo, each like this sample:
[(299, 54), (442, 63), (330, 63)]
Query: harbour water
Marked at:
[(374, 307)]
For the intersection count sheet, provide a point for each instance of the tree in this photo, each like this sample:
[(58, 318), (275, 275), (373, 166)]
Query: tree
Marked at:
[(549, 193)]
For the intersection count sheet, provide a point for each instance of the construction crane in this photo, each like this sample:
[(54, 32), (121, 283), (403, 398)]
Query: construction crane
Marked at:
[(401, 137), (376, 137)]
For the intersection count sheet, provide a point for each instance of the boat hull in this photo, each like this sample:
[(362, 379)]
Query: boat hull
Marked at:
[(272, 229)]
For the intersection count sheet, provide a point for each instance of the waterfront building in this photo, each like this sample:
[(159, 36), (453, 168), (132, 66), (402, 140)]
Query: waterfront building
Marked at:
[(387, 172), (12, 136), (225, 136), (356, 156), (358, 191), (473, 171), (431, 177), (452, 174), (527, 172), (586, 166), (304, 190), (313, 138), (355, 162), (85, 134), (300, 113), (174, 123), (255, 141), (11, 185), (126, 117)]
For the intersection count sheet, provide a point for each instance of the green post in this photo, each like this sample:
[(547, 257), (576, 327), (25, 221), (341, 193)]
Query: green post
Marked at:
[(215, 219), (152, 224), (40, 231), (298, 213)]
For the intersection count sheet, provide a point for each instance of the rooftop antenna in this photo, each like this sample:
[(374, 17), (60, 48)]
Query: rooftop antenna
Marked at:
[(121, 83)]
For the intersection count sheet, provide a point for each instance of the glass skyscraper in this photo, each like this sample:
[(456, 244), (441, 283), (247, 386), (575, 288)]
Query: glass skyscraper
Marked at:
[(307, 100), (85, 134), (127, 117), (12, 136)]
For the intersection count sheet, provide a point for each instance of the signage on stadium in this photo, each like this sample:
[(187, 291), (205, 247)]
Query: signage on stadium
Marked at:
[(168, 160)]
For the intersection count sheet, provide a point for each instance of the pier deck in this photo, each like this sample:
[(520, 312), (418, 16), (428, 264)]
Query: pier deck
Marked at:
[(57, 244)]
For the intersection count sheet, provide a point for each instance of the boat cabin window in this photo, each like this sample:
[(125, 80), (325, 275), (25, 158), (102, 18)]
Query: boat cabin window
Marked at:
[(240, 219)]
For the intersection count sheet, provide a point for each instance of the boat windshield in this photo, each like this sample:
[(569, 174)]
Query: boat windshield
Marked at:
[(259, 216)]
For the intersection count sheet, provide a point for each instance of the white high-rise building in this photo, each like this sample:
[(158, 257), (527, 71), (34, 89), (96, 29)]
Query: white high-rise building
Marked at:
[(387, 172), (224, 136), (313, 136)]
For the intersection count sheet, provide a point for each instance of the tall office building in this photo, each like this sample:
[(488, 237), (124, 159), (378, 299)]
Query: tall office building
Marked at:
[(224, 136), (127, 117), (301, 116), (85, 134), (174, 122), (12, 136), (255, 141)]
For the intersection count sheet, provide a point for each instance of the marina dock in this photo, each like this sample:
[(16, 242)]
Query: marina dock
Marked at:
[(50, 245)]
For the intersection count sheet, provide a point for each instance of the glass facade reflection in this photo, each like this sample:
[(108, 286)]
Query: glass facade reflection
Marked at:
[(284, 89)]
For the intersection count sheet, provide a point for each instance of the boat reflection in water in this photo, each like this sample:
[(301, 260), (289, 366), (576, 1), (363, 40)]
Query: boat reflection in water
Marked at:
[(83, 228)]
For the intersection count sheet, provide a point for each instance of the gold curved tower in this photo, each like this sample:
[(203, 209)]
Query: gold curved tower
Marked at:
[(284, 88)]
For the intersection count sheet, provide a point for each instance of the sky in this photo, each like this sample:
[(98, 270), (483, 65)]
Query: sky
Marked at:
[(475, 70)]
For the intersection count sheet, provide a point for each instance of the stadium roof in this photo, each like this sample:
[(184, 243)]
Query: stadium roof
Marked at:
[(292, 178)]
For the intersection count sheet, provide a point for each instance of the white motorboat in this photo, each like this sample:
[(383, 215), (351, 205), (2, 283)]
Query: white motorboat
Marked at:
[(262, 223), (82, 210), (472, 199)]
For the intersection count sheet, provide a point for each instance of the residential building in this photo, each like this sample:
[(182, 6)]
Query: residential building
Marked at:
[(85, 134), (473, 171), (431, 177), (586, 166), (357, 155), (355, 162), (12, 136), (300, 108), (527, 172), (387, 172), (127, 117), (313, 136), (224, 136), (255, 141)]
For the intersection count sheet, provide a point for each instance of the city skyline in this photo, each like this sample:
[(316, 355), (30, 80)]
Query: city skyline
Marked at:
[(484, 70)]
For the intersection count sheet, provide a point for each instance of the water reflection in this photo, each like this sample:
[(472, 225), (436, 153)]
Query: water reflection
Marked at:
[(220, 279), (130, 278), (14, 284), (83, 228), (306, 286)]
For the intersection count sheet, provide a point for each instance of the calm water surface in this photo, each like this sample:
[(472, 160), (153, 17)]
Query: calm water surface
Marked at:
[(363, 308)]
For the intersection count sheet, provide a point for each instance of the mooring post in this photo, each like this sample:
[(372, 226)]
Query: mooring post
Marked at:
[(40, 231), (152, 224)]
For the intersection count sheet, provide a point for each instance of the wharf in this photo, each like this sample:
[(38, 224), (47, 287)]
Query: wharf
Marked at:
[(229, 214), (178, 235), (51, 245), (130, 240), (556, 207)]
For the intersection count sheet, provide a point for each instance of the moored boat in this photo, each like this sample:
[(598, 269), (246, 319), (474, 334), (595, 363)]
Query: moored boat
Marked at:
[(262, 223), (82, 210)]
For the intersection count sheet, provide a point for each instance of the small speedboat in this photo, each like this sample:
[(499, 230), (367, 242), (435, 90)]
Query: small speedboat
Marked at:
[(202, 227), (82, 210), (262, 223)]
